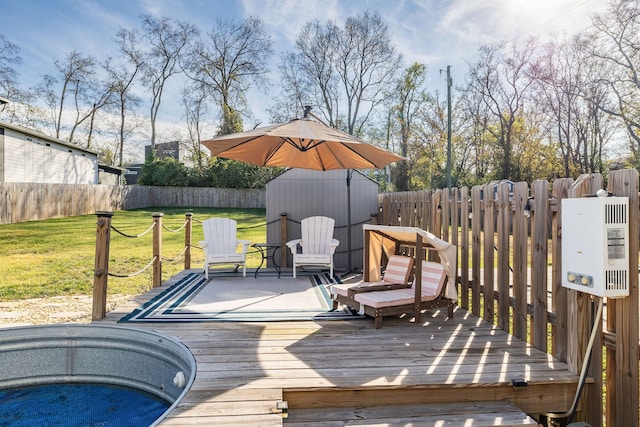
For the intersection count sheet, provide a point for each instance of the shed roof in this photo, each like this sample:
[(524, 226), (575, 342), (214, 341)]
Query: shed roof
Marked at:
[(38, 134), (295, 171)]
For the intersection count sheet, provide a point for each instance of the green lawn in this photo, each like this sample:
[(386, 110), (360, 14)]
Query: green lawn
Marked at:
[(56, 257)]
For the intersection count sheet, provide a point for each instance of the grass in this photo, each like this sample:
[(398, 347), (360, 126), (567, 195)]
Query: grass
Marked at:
[(56, 257)]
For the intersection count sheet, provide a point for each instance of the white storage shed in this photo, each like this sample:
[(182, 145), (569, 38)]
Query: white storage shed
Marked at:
[(301, 193), (27, 155)]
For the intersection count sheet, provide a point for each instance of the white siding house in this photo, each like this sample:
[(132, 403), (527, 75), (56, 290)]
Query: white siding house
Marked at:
[(27, 155)]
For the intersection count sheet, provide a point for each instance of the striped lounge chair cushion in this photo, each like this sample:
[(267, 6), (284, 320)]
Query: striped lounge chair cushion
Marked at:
[(433, 278), (398, 271), (342, 288)]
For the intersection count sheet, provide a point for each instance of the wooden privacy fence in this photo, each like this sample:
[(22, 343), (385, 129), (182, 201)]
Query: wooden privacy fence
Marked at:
[(518, 231), (32, 201)]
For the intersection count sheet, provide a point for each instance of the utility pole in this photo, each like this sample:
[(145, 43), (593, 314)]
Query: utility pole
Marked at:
[(449, 84)]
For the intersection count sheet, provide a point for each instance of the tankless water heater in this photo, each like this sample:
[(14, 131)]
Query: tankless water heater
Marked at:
[(595, 245)]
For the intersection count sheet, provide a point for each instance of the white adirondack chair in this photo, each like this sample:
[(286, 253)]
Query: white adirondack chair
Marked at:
[(221, 246), (317, 245)]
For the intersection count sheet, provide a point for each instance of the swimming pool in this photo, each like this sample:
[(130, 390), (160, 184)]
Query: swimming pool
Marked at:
[(119, 358)]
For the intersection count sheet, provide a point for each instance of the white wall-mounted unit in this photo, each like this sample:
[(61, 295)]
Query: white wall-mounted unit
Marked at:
[(595, 245)]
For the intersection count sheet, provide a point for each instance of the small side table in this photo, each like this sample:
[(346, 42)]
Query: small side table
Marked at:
[(264, 249)]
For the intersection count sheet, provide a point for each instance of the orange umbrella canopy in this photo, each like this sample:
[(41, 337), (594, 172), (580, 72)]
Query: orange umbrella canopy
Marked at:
[(301, 143)]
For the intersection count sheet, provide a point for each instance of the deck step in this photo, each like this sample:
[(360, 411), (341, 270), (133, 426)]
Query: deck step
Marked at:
[(489, 413)]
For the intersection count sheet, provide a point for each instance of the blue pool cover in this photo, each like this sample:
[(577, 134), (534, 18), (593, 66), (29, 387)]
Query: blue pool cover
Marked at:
[(70, 405)]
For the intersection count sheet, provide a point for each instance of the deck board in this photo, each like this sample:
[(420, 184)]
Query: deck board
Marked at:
[(245, 369), (499, 413)]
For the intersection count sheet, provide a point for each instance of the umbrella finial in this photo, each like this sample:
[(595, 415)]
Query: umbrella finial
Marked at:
[(307, 109)]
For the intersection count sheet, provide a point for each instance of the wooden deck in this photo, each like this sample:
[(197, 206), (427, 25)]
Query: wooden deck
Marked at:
[(348, 373)]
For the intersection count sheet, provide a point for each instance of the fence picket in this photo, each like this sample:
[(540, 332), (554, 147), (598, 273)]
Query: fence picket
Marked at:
[(31, 201), (528, 276)]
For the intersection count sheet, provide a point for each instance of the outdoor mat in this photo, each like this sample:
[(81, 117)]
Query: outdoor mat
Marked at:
[(236, 299)]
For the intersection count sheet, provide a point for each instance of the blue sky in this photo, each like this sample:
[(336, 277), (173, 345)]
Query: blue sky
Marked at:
[(434, 32)]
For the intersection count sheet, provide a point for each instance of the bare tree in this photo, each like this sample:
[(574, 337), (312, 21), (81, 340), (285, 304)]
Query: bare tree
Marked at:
[(121, 77), (168, 40), (503, 84), (408, 96), (194, 99), (232, 59), (10, 59), (295, 94), (366, 63), (101, 98), (313, 68), (348, 71), (570, 93), (75, 72), (477, 120), (616, 46)]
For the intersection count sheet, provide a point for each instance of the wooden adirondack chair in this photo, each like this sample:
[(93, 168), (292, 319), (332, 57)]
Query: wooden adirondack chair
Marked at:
[(221, 246), (317, 245)]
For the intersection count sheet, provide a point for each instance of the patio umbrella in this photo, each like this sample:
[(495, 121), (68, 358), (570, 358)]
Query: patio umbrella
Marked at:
[(303, 143)]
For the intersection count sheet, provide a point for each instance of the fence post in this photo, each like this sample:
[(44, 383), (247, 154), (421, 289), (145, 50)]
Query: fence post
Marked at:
[(504, 214), (283, 239), (101, 268), (188, 228), (539, 262), (559, 301), (622, 319), (476, 225), (520, 258), (157, 249), (464, 248), (488, 274)]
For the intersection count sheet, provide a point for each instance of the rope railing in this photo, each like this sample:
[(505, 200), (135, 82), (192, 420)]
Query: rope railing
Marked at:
[(249, 227), (136, 236), (175, 230), (177, 257), (133, 236), (102, 272), (103, 240), (136, 273)]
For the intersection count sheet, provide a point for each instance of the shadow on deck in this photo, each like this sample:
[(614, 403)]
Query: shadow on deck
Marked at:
[(351, 372)]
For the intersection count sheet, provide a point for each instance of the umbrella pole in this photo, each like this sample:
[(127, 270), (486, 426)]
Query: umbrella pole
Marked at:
[(349, 268)]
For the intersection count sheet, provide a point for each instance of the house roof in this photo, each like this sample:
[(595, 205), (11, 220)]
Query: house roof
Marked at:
[(112, 169), (38, 134)]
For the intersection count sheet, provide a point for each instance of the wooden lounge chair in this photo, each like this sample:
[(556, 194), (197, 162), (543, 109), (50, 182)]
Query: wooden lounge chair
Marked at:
[(399, 301), (317, 245), (397, 275), (221, 246)]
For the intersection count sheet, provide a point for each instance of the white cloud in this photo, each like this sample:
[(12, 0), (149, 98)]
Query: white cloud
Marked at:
[(434, 32)]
